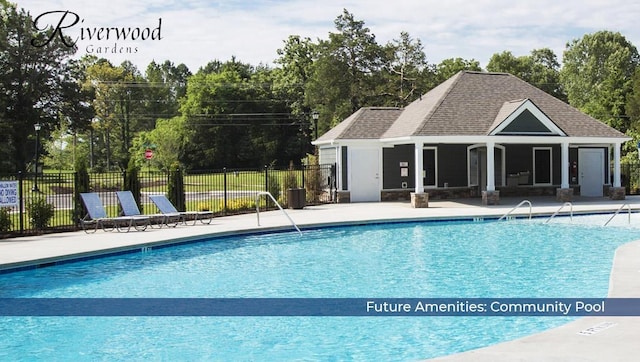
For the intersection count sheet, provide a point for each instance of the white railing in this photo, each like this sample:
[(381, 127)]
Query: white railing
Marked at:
[(618, 211), (280, 207), (560, 209), (517, 206)]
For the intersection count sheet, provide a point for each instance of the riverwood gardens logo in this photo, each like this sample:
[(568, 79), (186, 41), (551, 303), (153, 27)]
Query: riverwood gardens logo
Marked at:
[(62, 24)]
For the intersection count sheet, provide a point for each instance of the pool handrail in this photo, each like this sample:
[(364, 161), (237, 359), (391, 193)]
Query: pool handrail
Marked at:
[(280, 207), (618, 211), (517, 206), (560, 209)]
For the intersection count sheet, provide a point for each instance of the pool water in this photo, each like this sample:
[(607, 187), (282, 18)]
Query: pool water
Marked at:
[(401, 260)]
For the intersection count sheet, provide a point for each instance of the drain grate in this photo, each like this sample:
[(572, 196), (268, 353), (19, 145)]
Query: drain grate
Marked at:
[(596, 329)]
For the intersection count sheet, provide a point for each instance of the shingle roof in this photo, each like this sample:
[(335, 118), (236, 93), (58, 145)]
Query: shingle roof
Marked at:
[(472, 101), (366, 123), (467, 104)]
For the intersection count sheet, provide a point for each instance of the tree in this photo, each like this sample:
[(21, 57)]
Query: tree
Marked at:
[(347, 72), (540, 69), (290, 83), (36, 82), (234, 120), (450, 67), (408, 70), (118, 106), (165, 85), (168, 140), (597, 76)]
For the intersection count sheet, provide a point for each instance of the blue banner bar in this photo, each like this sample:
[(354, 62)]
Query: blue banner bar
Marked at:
[(319, 307)]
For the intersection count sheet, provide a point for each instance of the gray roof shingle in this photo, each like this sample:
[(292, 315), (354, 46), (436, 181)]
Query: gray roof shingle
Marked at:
[(366, 123)]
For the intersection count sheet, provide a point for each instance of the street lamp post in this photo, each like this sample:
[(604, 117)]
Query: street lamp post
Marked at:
[(315, 115), (37, 127)]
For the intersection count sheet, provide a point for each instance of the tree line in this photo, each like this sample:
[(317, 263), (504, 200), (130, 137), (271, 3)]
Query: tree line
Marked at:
[(234, 114)]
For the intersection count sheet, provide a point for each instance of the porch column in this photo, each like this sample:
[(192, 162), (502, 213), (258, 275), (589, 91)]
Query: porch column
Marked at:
[(616, 165), (491, 167), (617, 192), (491, 196), (419, 167), (564, 193), (419, 199), (564, 166)]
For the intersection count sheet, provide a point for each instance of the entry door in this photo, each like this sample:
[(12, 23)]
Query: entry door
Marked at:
[(365, 174), (591, 168)]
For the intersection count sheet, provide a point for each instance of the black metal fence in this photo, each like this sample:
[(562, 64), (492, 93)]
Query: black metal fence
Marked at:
[(630, 175), (225, 192)]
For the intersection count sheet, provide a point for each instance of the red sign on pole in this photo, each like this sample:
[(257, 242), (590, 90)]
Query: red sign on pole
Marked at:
[(148, 154)]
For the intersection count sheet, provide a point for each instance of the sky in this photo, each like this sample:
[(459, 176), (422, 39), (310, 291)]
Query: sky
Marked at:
[(195, 32)]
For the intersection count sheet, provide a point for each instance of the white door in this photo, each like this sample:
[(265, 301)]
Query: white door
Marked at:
[(591, 168), (364, 166)]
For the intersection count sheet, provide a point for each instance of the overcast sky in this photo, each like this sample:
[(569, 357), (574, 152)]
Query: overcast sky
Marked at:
[(195, 32)]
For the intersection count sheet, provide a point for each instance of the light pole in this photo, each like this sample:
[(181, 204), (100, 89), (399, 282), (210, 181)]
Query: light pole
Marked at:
[(315, 115), (37, 127)]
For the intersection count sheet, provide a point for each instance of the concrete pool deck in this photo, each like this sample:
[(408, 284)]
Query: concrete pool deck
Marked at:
[(617, 342)]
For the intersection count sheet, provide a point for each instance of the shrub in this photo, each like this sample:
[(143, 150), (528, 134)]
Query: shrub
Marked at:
[(81, 180), (132, 182), (175, 188), (5, 220), (40, 212)]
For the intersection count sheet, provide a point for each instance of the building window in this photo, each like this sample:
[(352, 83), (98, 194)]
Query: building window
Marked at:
[(542, 166)]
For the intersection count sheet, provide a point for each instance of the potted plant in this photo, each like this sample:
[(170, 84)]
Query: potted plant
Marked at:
[(296, 196)]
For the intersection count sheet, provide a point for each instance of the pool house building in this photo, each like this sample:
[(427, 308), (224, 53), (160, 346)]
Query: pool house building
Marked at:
[(477, 134)]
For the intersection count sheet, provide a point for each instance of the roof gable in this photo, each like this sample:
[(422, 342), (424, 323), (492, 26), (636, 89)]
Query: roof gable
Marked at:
[(523, 117)]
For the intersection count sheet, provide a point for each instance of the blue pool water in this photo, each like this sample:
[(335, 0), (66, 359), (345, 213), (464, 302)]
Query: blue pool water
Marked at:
[(412, 260)]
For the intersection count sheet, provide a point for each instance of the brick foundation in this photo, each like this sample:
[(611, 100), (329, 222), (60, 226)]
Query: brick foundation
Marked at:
[(564, 195), (419, 200), (617, 193), (490, 197)]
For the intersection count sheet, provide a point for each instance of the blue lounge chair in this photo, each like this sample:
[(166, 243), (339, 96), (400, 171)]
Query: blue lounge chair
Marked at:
[(130, 208), (97, 216), (166, 207)]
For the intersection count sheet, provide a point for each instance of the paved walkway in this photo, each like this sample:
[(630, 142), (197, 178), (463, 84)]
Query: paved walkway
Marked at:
[(619, 342)]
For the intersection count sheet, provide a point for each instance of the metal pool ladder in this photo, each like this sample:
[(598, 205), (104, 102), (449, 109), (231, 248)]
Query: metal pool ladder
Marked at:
[(280, 207), (517, 206), (560, 209), (618, 211)]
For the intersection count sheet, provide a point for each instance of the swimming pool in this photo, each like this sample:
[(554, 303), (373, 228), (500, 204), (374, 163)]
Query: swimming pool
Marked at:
[(413, 260)]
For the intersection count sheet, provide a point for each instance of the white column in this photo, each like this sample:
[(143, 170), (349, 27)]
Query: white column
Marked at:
[(419, 166), (564, 166), (616, 165), (491, 167)]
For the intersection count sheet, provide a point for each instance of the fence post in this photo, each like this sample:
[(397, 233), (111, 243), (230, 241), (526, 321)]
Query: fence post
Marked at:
[(21, 198), (224, 207), (266, 185)]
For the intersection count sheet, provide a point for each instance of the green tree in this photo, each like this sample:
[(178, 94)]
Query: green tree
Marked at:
[(408, 70), (347, 73), (165, 85), (597, 75), (450, 67), (35, 75), (81, 185), (540, 69), (233, 119), (296, 60), (132, 182), (168, 140), (118, 105)]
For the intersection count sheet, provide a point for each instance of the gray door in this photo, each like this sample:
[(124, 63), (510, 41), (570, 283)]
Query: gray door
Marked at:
[(365, 174), (591, 171)]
